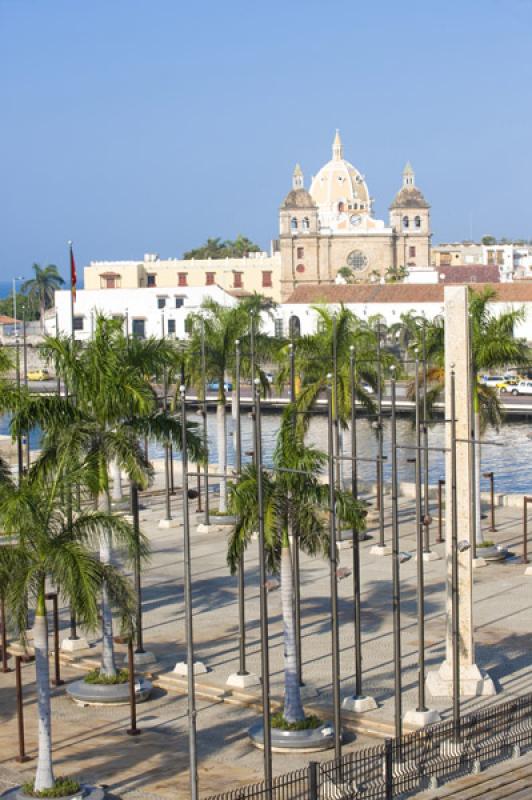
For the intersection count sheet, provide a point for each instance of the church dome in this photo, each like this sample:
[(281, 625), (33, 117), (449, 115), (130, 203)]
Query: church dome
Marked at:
[(409, 196), (298, 198), (338, 186)]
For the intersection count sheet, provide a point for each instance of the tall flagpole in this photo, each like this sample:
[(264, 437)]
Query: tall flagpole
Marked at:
[(73, 282)]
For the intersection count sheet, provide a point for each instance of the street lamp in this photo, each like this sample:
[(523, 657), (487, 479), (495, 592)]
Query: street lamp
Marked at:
[(333, 565), (17, 278)]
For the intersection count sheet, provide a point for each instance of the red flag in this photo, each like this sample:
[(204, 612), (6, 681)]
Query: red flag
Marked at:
[(73, 275)]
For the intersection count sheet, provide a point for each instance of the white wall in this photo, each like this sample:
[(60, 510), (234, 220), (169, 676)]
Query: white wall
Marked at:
[(137, 304)]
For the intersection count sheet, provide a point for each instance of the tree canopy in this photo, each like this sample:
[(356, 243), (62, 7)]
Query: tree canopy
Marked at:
[(218, 248)]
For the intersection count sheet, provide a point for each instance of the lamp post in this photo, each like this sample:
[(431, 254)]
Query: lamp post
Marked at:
[(380, 492), (397, 558), (333, 566), (17, 367), (243, 678), (491, 477), (265, 660), (426, 518), (193, 761), (205, 430)]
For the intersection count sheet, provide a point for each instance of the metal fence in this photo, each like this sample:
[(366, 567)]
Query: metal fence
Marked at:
[(413, 763)]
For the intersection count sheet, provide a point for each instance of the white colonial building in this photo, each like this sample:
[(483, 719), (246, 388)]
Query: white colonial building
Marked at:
[(146, 312)]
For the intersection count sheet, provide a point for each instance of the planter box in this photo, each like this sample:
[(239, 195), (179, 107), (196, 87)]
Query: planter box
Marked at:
[(310, 740), (223, 519), (98, 694)]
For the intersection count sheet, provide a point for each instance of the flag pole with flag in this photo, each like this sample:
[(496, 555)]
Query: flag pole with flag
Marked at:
[(73, 283)]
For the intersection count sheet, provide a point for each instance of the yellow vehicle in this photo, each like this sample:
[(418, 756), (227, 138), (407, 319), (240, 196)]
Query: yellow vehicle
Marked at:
[(507, 385), (38, 375)]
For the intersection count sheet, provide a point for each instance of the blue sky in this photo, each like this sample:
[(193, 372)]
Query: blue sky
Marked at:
[(137, 126)]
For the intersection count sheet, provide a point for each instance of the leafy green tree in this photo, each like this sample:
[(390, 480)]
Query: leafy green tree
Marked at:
[(222, 326), (396, 274), (115, 406), (50, 547), (347, 274), (216, 248), (42, 287), (488, 240), (291, 500), (493, 346)]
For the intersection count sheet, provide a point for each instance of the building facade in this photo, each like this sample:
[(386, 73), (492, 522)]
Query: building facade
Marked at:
[(331, 226), (144, 312), (257, 272), (513, 260)]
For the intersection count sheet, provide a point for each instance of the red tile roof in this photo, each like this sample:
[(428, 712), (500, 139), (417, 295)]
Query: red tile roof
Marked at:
[(7, 320), (470, 273), (400, 293)]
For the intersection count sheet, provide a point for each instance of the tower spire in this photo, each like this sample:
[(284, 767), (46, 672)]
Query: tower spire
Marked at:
[(338, 148), (297, 178), (408, 175)]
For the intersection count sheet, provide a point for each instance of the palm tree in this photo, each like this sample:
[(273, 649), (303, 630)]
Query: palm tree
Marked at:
[(292, 500), (337, 332), (51, 547), (115, 406), (493, 346), (42, 287), (222, 326)]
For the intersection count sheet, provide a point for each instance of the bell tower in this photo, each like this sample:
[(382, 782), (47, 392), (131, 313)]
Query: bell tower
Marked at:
[(410, 223)]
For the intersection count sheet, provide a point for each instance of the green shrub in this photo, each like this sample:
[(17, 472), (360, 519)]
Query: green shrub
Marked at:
[(487, 543), (122, 676), (63, 788), (217, 513), (310, 722)]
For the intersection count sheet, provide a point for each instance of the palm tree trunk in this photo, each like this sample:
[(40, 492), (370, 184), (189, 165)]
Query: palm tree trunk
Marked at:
[(293, 710), (116, 478), (108, 665), (42, 311), (222, 452), (44, 776)]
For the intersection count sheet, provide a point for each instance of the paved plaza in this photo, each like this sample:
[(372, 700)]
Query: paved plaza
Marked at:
[(94, 744)]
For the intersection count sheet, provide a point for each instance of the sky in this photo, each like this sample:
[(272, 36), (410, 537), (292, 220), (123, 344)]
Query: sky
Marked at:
[(146, 126)]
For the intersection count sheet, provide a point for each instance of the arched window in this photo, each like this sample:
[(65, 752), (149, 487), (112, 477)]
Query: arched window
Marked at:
[(341, 207), (306, 224), (406, 222), (294, 326), (293, 224), (417, 222)]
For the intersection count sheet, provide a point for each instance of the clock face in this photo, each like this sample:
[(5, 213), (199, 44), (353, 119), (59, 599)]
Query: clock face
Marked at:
[(356, 219)]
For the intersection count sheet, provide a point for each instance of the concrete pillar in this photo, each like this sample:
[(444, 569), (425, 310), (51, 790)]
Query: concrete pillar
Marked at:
[(473, 681)]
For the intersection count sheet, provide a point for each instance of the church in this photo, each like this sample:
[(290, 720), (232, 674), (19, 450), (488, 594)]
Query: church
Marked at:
[(331, 226)]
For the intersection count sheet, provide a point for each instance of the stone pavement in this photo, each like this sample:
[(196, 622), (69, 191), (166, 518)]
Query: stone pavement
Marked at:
[(93, 742)]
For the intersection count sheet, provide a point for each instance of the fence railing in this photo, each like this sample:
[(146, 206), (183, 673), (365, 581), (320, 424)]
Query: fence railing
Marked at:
[(404, 766)]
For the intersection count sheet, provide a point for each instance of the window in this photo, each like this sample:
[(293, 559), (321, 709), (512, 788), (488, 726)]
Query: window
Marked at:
[(357, 260), (171, 327), (406, 222), (294, 326), (306, 224), (161, 302), (209, 278), (179, 302), (267, 279), (237, 280), (151, 280), (300, 253), (341, 207), (411, 252), (182, 278), (188, 324), (417, 222), (138, 328), (278, 327), (293, 224), (78, 323), (110, 280)]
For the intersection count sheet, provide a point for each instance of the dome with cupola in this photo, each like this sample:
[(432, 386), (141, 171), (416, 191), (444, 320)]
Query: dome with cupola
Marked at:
[(339, 189)]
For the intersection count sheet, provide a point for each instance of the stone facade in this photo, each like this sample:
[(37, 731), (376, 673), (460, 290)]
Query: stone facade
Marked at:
[(332, 226)]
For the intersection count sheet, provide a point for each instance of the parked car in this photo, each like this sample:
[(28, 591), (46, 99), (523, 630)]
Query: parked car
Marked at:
[(213, 386), (492, 380), (38, 375), (508, 384), (523, 387)]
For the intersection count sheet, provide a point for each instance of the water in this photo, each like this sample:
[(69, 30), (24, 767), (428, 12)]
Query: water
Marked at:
[(510, 462)]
